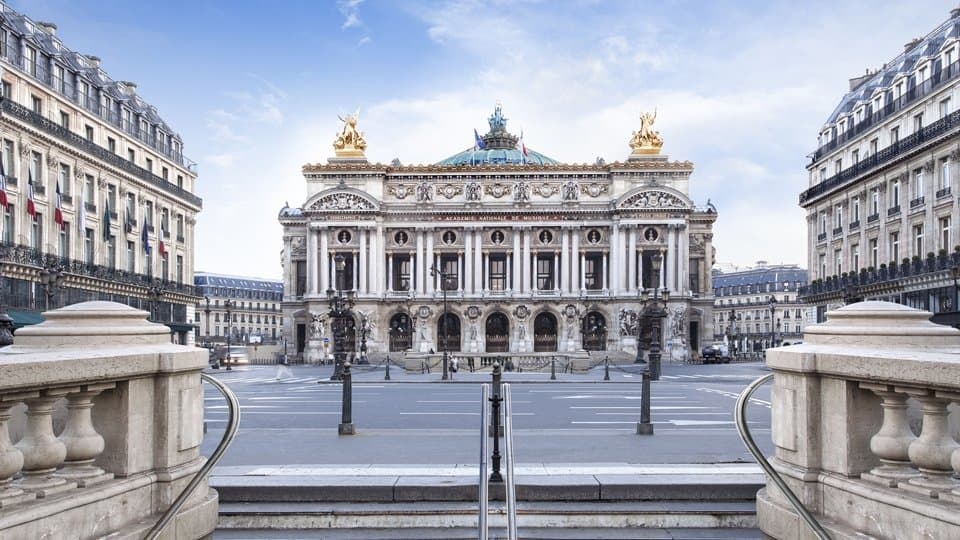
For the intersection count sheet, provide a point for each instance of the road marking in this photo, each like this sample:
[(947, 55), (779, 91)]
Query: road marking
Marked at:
[(444, 413), (734, 395), (679, 413), (276, 412)]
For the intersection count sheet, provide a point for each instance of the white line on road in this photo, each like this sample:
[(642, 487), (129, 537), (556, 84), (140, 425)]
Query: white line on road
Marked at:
[(634, 413)]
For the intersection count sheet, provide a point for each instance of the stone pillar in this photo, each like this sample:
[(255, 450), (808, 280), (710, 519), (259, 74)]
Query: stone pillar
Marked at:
[(478, 260), (313, 265), (516, 267), (606, 270), (582, 273), (430, 261), (81, 440), (42, 451), (632, 260), (289, 280), (931, 451), (576, 266), (613, 259), (460, 281), (891, 444), (390, 272), (533, 272), (564, 272), (324, 269), (556, 271), (683, 269), (526, 260), (418, 267), (508, 272), (467, 262), (11, 459), (364, 267)]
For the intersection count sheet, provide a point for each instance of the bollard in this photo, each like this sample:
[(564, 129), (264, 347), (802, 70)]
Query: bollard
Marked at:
[(553, 369), (606, 368), (645, 426), (386, 376), (346, 419), (495, 406)]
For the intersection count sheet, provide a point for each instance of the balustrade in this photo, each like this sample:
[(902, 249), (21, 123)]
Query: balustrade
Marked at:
[(131, 407), (863, 418)]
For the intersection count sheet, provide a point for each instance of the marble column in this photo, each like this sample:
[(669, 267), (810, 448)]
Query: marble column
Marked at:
[(418, 266), (485, 273), (683, 269), (581, 275), (364, 269), (478, 260), (389, 272), (431, 260), (354, 258), (606, 268), (516, 267), (526, 261), (613, 259), (467, 261), (460, 272), (669, 264), (576, 262), (321, 275), (564, 283), (313, 265), (289, 282), (556, 271), (632, 260), (508, 272)]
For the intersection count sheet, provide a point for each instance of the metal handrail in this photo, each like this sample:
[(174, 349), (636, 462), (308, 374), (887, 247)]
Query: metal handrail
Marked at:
[(233, 422), (484, 499), (510, 484), (741, 418)]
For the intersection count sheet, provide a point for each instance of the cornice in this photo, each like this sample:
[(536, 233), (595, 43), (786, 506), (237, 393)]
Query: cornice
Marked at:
[(615, 167)]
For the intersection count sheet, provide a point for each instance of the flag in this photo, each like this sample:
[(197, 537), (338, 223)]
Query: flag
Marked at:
[(162, 248), (58, 211), (478, 143), (3, 184), (31, 208), (144, 238), (522, 148), (106, 219)]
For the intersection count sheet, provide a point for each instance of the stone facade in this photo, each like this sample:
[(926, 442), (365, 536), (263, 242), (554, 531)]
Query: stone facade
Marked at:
[(539, 255), (256, 309)]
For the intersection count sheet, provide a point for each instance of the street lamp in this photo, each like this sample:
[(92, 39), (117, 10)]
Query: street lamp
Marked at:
[(50, 278), (654, 309), (364, 329), (434, 271), (155, 294), (639, 359), (206, 312), (340, 307), (773, 312), (229, 305)]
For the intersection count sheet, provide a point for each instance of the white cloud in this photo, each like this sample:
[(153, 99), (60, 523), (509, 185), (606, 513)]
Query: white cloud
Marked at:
[(350, 11), (224, 161)]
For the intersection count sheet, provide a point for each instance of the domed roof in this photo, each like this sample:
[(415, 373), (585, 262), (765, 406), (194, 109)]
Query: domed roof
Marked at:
[(498, 147)]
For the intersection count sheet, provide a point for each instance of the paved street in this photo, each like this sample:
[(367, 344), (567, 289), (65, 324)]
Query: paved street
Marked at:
[(411, 420)]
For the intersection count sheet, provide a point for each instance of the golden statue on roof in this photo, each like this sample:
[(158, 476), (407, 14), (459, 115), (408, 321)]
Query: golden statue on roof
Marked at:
[(647, 140), (350, 141)]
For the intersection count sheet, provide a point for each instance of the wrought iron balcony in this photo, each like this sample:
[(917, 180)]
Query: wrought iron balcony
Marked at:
[(897, 150), (39, 189), (945, 192), (11, 180), (854, 225), (90, 206), (892, 211), (873, 217), (52, 128), (821, 237), (837, 231), (916, 202), (896, 271)]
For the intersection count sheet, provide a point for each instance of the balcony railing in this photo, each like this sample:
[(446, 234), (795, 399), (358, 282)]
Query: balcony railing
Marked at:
[(17, 254), (854, 225), (884, 274), (821, 237), (889, 154), (916, 202), (873, 217), (938, 78), (893, 210), (837, 231), (90, 207), (39, 121), (945, 192), (39, 189)]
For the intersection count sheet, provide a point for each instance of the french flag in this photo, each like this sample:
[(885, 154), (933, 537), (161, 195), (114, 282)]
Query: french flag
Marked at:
[(478, 143), (522, 147), (3, 184), (58, 212), (161, 247), (144, 238), (31, 208)]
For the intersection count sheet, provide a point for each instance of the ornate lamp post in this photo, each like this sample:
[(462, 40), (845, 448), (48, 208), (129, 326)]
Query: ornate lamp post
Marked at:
[(639, 359), (155, 294), (654, 308), (50, 278), (773, 312), (340, 307), (778, 336), (364, 329), (229, 305), (434, 271), (206, 311)]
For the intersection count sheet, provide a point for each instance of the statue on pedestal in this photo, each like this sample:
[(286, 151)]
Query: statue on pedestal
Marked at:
[(350, 142)]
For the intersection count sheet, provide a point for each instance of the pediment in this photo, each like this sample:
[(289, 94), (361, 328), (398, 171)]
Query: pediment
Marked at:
[(341, 200), (655, 199)]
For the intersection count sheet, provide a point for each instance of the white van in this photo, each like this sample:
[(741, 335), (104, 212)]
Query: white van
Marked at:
[(237, 355)]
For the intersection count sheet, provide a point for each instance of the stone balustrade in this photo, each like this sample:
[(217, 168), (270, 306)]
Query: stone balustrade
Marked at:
[(130, 404), (866, 416)]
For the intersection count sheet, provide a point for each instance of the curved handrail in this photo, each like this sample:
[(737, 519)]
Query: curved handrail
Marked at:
[(233, 422), (510, 487), (741, 419), (482, 495)]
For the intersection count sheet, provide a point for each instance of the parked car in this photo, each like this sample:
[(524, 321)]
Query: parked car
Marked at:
[(715, 353)]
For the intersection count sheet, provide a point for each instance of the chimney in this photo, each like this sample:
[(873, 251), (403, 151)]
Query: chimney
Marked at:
[(48, 27), (913, 43), (857, 81), (132, 86), (761, 264), (94, 60)]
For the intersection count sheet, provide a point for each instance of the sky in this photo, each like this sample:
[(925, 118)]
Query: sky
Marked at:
[(254, 88)]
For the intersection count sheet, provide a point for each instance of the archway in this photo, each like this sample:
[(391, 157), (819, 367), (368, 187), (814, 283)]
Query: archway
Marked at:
[(401, 333), (594, 331), (545, 333), (448, 326), (497, 333)]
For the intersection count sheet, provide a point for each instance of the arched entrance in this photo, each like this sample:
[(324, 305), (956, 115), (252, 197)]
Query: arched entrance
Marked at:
[(545, 333), (497, 333), (401, 333), (448, 326), (594, 332)]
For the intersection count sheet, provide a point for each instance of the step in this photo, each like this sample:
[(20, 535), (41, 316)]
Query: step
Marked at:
[(392, 519), (495, 534)]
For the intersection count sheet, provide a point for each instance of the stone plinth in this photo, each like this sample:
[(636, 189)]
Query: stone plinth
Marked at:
[(314, 352)]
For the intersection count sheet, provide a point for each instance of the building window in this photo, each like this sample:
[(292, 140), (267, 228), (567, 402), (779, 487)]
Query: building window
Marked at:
[(401, 273), (593, 271), (36, 104), (855, 156), (148, 213), (148, 164), (855, 209), (917, 122), (36, 232), (7, 157), (823, 265), (111, 260), (8, 225), (874, 145), (837, 166), (112, 145), (854, 257), (918, 240), (874, 252), (895, 194), (88, 246), (544, 265), (944, 173), (449, 263), (823, 222), (180, 181), (64, 178), (838, 261), (131, 257), (88, 130), (895, 247), (64, 120), (874, 201), (401, 238), (165, 173), (90, 187), (894, 135), (545, 237), (36, 159), (945, 233), (65, 240), (918, 183), (179, 226), (838, 216), (344, 237), (945, 108), (164, 268), (498, 272), (497, 237), (132, 155)]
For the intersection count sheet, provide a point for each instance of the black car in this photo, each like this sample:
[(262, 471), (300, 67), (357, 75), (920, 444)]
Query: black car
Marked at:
[(713, 354)]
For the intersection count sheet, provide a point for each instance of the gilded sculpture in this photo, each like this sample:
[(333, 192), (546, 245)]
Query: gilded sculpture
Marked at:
[(646, 140), (350, 141)]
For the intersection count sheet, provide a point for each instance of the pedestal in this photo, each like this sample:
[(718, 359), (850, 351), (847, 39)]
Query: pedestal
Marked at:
[(315, 353)]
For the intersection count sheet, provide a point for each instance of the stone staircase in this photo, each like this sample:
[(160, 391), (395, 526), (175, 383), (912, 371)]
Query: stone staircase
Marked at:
[(650, 502)]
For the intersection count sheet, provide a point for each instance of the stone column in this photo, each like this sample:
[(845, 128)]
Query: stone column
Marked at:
[(354, 257), (668, 263), (289, 280), (389, 272), (613, 259), (42, 451), (313, 264), (365, 270), (418, 267), (324, 269), (460, 272), (478, 260), (485, 273), (535, 286), (576, 259), (526, 260), (508, 272), (516, 267), (683, 269), (467, 262), (564, 273), (632, 260), (11, 459), (606, 270), (81, 440), (891, 444), (430, 261)]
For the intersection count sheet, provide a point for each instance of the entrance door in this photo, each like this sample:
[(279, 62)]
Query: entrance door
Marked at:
[(498, 333), (448, 327), (594, 332), (301, 337), (401, 333), (694, 335), (545, 333)]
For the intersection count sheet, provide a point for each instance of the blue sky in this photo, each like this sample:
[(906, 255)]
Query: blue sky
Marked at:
[(254, 87)]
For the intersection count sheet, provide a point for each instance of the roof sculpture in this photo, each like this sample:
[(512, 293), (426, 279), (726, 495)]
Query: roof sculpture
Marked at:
[(498, 147)]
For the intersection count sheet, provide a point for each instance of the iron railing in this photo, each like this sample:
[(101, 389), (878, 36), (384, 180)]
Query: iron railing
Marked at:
[(741, 419), (510, 485), (483, 494), (886, 273), (52, 128)]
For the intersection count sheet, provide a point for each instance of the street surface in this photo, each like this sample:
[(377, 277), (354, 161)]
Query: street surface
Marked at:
[(418, 420)]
